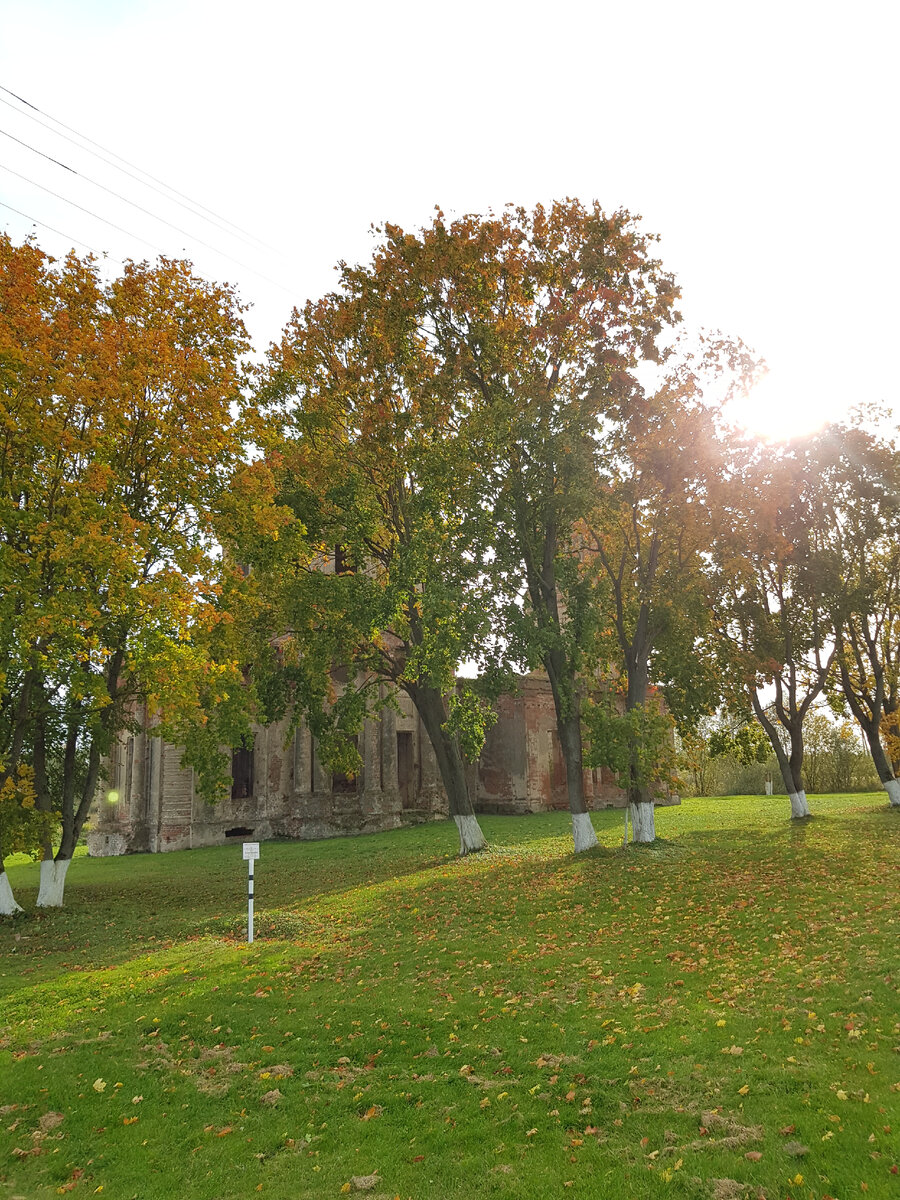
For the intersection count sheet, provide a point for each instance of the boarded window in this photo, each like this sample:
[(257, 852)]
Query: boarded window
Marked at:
[(242, 772)]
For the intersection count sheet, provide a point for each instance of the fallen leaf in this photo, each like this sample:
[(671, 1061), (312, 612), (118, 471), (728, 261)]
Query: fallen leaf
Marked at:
[(99, 1085)]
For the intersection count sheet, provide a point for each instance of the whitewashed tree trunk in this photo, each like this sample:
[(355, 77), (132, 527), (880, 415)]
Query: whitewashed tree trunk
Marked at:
[(643, 822), (470, 836), (583, 832), (799, 807), (8, 906), (892, 787), (53, 882)]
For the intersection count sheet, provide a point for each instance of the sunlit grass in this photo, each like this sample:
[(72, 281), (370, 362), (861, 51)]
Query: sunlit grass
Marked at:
[(523, 1023)]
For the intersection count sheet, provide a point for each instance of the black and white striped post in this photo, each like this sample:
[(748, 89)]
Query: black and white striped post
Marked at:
[(251, 853)]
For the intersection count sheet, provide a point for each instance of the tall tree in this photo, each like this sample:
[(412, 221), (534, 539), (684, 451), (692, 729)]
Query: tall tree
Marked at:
[(769, 597), (117, 426), (368, 439), (535, 323), (856, 519), (643, 542)]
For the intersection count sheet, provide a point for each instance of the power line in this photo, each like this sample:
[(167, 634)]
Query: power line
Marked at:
[(193, 206), (146, 211), (134, 167), (59, 232), (80, 208)]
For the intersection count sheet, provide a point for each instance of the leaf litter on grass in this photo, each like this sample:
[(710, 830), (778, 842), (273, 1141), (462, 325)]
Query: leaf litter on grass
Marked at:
[(596, 1006)]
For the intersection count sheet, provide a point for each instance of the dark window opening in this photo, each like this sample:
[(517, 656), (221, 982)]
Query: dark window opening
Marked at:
[(238, 831), (342, 563), (242, 772)]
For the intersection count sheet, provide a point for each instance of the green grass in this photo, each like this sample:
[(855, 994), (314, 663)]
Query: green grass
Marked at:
[(520, 1024)]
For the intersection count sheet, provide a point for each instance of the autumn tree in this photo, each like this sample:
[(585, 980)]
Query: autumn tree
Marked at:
[(369, 441), (856, 519), (643, 539), (534, 324), (118, 405), (768, 594)]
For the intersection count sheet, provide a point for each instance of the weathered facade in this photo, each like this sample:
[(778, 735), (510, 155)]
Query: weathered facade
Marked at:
[(282, 790)]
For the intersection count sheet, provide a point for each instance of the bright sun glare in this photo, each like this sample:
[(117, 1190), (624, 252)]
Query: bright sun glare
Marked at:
[(779, 408)]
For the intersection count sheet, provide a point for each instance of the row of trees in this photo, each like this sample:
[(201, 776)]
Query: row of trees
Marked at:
[(485, 445), (715, 759)]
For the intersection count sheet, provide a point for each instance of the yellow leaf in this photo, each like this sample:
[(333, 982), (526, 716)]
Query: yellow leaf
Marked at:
[(742, 1091)]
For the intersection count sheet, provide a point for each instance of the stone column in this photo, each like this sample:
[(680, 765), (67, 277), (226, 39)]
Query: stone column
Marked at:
[(302, 760), (388, 724), (321, 779), (371, 762)]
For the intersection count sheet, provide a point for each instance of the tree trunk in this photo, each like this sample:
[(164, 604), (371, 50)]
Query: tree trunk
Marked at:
[(640, 799), (430, 706), (567, 703), (882, 763), (8, 906), (789, 766), (53, 870), (53, 882), (871, 727)]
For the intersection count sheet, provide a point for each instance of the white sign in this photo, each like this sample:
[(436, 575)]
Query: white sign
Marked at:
[(251, 849)]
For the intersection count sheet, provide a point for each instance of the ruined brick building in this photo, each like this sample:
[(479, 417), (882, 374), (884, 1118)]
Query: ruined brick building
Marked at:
[(149, 801)]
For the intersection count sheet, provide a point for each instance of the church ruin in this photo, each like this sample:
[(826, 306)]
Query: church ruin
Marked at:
[(280, 788)]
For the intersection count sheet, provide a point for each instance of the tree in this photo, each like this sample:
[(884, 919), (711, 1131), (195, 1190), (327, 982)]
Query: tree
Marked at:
[(117, 428), (534, 324), (694, 759), (368, 439), (643, 540), (768, 596), (857, 513), (740, 738)]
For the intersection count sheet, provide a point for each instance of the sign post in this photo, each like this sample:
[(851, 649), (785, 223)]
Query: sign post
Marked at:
[(251, 853)]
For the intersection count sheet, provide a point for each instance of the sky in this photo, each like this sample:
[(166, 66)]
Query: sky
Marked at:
[(759, 141)]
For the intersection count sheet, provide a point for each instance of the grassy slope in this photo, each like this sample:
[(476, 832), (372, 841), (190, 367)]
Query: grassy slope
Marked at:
[(520, 1024)]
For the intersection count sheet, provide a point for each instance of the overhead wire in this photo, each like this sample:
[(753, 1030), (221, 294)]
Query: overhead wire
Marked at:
[(59, 233), (81, 208), (140, 208), (134, 167), (194, 207)]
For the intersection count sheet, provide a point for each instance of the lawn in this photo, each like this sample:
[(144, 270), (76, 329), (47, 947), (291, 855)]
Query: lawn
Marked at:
[(712, 1016)]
